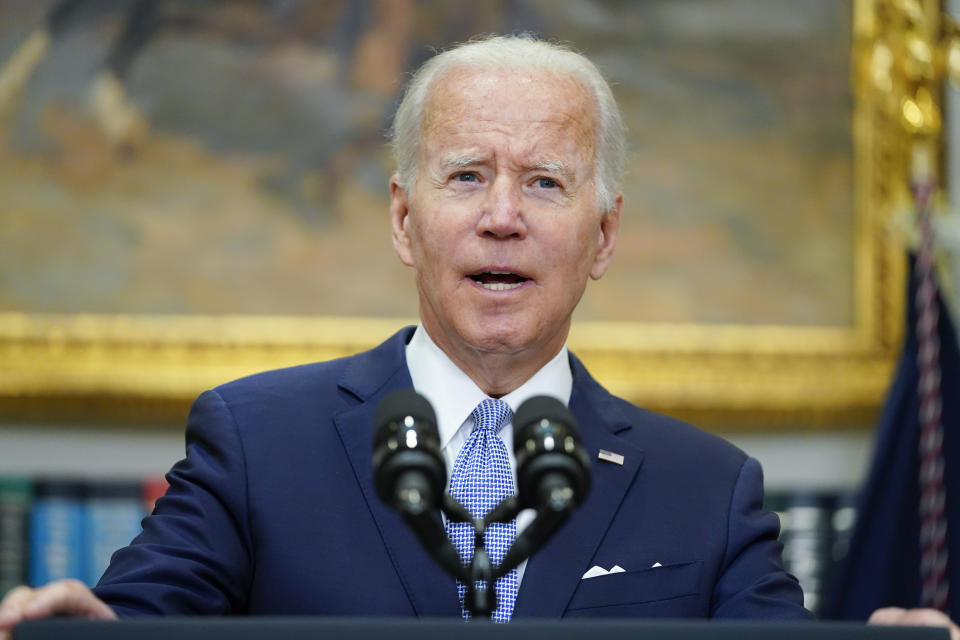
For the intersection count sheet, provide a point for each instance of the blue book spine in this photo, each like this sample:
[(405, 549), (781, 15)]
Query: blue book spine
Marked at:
[(114, 512), (57, 537)]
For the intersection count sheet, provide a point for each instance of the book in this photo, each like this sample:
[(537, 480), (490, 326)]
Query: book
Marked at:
[(16, 494), (113, 512), (153, 489), (57, 532)]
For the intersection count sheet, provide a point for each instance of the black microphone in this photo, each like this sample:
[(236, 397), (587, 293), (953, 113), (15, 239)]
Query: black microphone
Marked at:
[(553, 473), (408, 469), (409, 473), (553, 470)]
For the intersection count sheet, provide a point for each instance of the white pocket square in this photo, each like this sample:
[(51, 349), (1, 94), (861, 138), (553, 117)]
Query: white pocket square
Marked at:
[(595, 571)]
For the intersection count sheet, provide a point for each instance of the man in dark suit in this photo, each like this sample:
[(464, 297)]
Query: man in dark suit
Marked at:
[(505, 202)]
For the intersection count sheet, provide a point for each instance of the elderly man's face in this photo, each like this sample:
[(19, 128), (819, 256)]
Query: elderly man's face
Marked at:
[(502, 224)]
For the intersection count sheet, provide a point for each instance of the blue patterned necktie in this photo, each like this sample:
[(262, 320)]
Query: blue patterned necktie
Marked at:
[(481, 478)]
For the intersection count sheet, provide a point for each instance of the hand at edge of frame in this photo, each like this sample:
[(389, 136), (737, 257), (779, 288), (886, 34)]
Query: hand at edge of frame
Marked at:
[(60, 598), (897, 616)]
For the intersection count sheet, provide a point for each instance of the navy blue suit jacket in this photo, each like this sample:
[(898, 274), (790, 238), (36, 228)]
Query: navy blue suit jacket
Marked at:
[(273, 511)]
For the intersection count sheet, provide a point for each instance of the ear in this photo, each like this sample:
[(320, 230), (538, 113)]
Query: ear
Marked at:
[(399, 216), (609, 227)]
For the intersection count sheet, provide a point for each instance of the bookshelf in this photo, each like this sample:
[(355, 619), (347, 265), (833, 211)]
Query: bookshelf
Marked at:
[(96, 481)]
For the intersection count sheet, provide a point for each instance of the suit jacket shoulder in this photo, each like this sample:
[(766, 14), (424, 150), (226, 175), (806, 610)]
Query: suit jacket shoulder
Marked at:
[(658, 435), (340, 382)]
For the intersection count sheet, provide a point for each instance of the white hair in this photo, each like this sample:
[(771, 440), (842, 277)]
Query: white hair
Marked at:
[(521, 52)]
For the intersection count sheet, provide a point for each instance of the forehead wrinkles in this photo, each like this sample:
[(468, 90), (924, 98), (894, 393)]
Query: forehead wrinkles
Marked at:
[(537, 103)]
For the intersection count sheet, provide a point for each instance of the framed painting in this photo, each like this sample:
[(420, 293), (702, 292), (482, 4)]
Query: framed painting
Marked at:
[(193, 192)]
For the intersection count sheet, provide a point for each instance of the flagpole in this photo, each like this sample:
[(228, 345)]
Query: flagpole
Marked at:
[(935, 585)]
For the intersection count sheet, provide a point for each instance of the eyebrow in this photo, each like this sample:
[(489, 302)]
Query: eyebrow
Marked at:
[(454, 161), (554, 166)]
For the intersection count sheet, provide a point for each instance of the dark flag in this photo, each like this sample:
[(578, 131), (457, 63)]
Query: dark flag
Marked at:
[(883, 565)]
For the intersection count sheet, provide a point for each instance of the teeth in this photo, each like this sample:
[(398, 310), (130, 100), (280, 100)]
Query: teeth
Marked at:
[(500, 286), (501, 273)]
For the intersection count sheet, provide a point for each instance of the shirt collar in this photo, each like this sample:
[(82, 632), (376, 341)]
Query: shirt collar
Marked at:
[(454, 395)]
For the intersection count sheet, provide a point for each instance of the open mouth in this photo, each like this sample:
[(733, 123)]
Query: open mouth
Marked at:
[(499, 280)]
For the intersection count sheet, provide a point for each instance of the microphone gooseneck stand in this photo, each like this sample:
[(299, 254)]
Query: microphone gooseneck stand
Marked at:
[(481, 602), (410, 475)]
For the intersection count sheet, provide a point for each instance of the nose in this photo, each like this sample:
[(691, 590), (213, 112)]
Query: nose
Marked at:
[(502, 215)]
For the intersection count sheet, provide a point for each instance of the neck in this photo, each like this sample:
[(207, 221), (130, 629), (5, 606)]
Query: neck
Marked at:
[(497, 374)]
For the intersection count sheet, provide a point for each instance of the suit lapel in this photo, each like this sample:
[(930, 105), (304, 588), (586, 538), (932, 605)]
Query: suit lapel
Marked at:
[(553, 574), (369, 378)]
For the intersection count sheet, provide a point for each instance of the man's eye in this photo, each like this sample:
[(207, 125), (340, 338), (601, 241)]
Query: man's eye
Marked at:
[(546, 183), (466, 176)]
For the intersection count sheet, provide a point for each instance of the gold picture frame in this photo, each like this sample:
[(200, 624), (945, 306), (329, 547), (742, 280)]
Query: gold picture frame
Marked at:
[(133, 368)]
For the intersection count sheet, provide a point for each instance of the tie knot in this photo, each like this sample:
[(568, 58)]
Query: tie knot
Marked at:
[(492, 414)]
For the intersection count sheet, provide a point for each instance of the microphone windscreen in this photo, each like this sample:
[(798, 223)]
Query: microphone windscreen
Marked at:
[(402, 403), (539, 408), (547, 446)]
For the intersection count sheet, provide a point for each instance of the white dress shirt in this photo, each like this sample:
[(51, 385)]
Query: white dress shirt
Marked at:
[(454, 396)]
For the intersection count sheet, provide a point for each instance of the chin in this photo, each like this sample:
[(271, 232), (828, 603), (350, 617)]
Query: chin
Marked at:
[(504, 338)]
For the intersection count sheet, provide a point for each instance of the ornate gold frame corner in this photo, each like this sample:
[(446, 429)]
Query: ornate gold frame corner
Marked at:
[(135, 368)]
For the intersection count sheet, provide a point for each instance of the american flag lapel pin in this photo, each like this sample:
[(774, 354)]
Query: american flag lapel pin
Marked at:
[(610, 456)]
